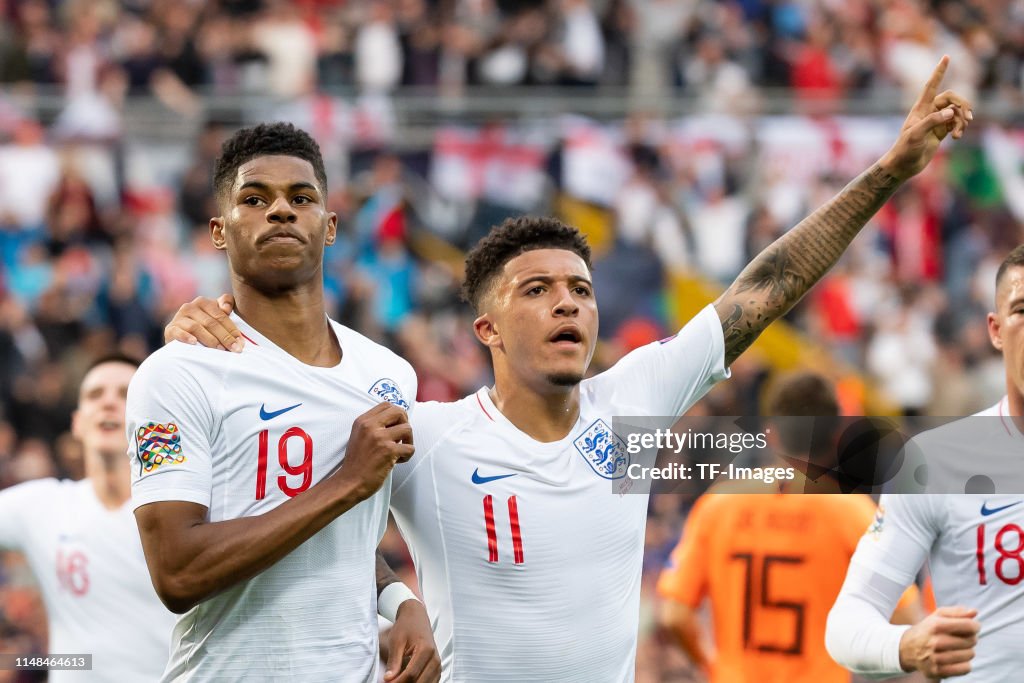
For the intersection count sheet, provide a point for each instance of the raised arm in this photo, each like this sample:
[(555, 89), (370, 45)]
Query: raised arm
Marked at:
[(780, 275), (191, 559)]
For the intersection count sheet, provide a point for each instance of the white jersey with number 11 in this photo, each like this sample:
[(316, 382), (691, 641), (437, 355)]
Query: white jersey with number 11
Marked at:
[(530, 563)]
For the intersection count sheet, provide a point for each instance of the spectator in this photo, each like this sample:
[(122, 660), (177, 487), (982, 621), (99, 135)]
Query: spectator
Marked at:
[(378, 51)]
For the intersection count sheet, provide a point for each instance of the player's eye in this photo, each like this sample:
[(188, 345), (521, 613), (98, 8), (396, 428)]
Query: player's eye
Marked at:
[(534, 291), (582, 291), (302, 199), (252, 200)]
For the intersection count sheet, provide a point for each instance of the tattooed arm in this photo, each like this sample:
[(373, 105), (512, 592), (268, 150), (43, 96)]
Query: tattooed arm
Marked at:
[(780, 275)]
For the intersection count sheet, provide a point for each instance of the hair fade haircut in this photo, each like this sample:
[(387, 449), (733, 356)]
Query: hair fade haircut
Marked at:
[(1013, 259), (513, 237), (266, 139)]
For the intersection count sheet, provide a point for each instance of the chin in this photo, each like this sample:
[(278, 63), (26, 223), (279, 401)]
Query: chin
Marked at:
[(565, 379), (111, 446)]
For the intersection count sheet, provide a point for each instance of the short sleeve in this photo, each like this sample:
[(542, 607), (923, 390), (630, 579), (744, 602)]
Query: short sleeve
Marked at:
[(685, 579), (18, 505), (431, 422), (669, 376), (170, 423)]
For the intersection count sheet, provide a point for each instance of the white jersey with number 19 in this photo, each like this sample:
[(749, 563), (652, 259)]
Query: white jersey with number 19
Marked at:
[(530, 564), (241, 434)]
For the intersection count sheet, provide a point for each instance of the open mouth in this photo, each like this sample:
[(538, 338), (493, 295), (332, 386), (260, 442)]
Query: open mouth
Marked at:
[(567, 336), (111, 426)]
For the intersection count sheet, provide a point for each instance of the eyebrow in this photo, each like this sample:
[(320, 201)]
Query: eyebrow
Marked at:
[(258, 185), (547, 279)]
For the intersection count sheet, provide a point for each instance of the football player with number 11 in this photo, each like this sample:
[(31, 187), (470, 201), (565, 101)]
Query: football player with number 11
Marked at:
[(530, 565)]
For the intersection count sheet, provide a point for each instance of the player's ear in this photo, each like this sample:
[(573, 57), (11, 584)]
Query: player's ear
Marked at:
[(217, 232), (486, 331), (995, 334), (332, 228)]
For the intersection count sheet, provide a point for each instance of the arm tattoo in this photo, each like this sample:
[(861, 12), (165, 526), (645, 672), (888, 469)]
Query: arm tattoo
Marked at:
[(385, 575), (780, 275)]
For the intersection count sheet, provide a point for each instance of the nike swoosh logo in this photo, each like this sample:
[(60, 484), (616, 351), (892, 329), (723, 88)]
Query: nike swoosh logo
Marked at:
[(477, 479), (986, 511), (264, 415)]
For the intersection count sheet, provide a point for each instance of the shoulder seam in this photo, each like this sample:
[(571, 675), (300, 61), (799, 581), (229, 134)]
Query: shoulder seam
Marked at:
[(459, 424)]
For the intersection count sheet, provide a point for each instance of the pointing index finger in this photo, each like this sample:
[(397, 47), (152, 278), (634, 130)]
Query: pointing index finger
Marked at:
[(931, 88)]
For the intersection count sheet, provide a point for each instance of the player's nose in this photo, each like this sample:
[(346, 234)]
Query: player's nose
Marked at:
[(565, 304), (281, 211)]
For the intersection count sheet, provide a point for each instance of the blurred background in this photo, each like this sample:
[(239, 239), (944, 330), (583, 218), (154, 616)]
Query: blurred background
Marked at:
[(682, 136)]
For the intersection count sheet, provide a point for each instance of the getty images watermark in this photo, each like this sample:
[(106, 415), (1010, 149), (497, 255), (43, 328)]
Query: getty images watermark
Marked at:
[(691, 455), (687, 440)]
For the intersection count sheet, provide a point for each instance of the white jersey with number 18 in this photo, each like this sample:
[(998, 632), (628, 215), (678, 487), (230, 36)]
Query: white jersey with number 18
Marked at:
[(242, 434), (530, 564), (92, 574), (974, 544)]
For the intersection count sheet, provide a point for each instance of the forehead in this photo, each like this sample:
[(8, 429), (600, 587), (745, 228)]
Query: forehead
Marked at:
[(554, 263), (107, 375), (1011, 286), (275, 170)]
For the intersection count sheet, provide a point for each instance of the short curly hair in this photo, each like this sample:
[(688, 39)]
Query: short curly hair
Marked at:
[(510, 239), (265, 139)]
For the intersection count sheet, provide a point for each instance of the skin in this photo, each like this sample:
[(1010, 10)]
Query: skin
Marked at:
[(532, 380), (98, 423), (1006, 331), (683, 623), (943, 644), (538, 295), (274, 226), (780, 275)]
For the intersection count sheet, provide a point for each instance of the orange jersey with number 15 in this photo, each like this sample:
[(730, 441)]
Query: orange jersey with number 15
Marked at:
[(772, 566)]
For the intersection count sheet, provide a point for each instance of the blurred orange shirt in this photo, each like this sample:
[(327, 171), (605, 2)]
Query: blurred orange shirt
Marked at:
[(772, 566)]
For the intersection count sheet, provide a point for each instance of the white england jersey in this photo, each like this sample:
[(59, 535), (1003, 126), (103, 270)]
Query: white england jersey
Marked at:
[(973, 545), (91, 571), (241, 434), (530, 565)]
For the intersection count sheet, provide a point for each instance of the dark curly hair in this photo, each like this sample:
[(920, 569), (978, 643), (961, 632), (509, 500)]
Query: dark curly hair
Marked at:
[(264, 140), (510, 239)]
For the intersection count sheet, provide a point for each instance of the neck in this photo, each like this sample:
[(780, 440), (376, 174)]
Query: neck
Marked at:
[(294, 320), (110, 479), (544, 416), (1014, 399)]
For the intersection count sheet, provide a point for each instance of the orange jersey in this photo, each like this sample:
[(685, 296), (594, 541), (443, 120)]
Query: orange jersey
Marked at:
[(772, 566)]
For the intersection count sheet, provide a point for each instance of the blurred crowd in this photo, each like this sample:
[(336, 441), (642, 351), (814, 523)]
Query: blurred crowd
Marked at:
[(103, 238), (719, 50)]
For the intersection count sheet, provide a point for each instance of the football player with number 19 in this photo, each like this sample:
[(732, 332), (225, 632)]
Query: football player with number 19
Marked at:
[(261, 479), (973, 545), (529, 564)]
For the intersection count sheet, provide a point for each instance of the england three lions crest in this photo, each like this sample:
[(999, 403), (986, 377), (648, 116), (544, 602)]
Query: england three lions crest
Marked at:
[(387, 390), (603, 450)]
